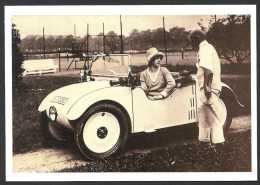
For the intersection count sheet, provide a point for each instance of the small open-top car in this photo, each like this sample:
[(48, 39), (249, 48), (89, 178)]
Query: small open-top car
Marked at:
[(109, 104)]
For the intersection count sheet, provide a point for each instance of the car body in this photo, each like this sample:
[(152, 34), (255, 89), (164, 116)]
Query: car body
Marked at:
[(111, 104)]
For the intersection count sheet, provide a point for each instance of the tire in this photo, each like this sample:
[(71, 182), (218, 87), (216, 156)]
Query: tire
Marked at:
[(227, 123), (101, 132), (229, 116)]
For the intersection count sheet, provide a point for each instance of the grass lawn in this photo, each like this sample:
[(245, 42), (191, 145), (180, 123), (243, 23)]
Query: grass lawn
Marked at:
[(28, 96), (180, 158), (26, 118)]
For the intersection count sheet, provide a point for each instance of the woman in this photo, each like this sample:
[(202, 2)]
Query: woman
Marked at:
[(157, 81)]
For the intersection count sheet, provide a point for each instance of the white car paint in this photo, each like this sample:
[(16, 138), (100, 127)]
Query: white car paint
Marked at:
[(72, 93), (118, 94), (177, 109), (145, 115)]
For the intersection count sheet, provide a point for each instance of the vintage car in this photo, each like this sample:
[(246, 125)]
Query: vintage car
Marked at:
[(109, 104)]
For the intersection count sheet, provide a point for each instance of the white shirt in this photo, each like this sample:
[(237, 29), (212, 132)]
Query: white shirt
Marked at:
[(208, 58)]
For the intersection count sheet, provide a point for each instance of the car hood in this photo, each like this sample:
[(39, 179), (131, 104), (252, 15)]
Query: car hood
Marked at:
[(68, 95)]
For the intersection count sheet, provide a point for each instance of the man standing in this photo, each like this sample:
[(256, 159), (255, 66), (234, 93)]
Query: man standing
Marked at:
[(208, 74)]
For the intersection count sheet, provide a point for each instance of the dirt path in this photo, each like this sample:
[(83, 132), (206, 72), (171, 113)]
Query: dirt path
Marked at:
[(49, 160)]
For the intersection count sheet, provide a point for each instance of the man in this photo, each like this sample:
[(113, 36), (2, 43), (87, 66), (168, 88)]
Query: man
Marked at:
[(208, 73)]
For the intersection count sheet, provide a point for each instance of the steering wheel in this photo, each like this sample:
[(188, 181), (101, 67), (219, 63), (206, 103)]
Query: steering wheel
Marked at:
[(113, 72)]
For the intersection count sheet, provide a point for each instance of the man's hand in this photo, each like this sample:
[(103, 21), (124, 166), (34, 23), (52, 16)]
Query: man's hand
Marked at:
[(207, 91), (159, 97), (187, 73), (184, 73)]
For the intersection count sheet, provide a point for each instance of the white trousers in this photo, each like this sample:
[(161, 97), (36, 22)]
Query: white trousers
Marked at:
[(210, 118)]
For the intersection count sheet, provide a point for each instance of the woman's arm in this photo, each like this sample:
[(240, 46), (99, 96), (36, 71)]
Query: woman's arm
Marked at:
[(142, 80), (170, 83)]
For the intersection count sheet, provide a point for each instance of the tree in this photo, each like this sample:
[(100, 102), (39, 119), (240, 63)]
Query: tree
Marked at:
[(17, 56), (113, 41), (39, 44), (68, 42), (231, 37), (50, 43), (158, 37), (135, 41), (179, 36), (146, 38), (29, 42), (205, 28)]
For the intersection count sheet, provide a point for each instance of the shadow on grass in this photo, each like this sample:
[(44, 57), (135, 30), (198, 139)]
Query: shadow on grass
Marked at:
[(146, 142)]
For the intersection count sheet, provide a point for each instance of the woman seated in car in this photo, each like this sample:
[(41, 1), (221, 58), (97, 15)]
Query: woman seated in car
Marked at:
[(157, 81)]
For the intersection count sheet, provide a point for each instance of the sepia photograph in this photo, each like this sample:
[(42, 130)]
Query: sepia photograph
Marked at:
[(131, 89)]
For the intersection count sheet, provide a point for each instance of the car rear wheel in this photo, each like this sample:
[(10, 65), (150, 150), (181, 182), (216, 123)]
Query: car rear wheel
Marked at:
[(101, 132), (228, 119)]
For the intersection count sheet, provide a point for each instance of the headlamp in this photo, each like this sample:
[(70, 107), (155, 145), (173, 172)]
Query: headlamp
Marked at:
[(53, 113)]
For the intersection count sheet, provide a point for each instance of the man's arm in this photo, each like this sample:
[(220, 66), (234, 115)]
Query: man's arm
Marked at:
[(206, 63), (208, 75), (187, 73)]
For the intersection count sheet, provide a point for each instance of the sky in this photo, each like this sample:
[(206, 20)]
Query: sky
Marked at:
[(64, 24)]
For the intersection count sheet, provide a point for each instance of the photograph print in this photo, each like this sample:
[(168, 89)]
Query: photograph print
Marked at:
[(131, 92)]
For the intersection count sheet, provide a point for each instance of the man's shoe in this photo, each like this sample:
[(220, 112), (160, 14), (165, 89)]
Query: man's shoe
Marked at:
[(205, 145), (220, 147)]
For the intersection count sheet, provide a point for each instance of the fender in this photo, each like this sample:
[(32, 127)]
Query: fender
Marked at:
[(233, 93), (114, 94)]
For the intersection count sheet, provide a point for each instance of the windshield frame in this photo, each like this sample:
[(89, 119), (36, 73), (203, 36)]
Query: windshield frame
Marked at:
[(93, 57)]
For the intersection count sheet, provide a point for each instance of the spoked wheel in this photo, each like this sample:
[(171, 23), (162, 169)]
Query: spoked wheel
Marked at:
[(101, 132)]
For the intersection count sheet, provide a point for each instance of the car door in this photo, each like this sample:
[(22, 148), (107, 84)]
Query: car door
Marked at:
[(177, 109)]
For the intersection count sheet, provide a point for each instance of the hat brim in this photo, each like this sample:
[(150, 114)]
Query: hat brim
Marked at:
[(157, 54)]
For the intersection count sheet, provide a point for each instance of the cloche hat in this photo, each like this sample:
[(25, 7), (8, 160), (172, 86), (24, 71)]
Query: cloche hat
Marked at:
[(153, 52)]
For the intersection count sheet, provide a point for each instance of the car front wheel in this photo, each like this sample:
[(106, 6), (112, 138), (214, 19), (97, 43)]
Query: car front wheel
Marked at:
[(102, 131)]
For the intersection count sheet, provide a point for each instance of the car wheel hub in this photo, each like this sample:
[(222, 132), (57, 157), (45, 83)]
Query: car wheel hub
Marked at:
[(101, 132)]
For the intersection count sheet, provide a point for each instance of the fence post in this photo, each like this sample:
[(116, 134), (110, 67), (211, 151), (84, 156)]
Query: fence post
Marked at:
[(59, 59), (27, 53), (104, 46), (164, 42), (122, 47), (43, 42)]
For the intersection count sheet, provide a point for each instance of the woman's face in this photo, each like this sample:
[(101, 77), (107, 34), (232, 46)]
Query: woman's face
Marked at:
[(156, 62)]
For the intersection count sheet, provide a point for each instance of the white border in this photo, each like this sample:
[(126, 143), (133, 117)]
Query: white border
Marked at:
[(127, 10)]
